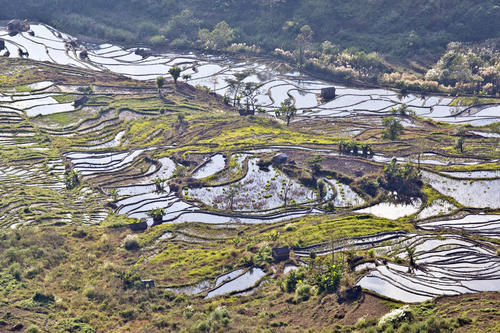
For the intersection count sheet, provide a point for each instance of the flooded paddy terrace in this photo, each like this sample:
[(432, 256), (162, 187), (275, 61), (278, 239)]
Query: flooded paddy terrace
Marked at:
[(229, 186)]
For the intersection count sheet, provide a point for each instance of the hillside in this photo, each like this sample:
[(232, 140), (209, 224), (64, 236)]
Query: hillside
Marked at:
[(179, 191), (403, 28)]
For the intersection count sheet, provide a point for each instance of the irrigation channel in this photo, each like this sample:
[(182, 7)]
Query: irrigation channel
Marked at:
[(451, 263)]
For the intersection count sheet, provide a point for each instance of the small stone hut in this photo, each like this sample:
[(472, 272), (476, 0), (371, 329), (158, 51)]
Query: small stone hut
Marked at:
[(281, 253), (328, 93)]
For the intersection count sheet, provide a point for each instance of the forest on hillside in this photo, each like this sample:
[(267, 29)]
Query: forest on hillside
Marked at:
[(423, 46), (397, 28)]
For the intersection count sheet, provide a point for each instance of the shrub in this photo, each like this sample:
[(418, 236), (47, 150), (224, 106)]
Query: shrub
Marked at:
[(128, 314), (129, 279), (329, 280), (79, 233), (32, 329), (188, 312), (15, 271), (74, 325), (263, 255), (293, 278), (33, 271), (303, 292), (213, 322), (90, 292), (43, 298), (180, 43), (131, 243)]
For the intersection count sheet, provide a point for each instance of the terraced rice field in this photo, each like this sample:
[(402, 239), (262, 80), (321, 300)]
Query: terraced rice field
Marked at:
[(133, 155)]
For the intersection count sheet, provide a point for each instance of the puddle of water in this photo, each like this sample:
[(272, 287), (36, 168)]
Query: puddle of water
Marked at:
[(245, 281), (383, 287), (365, 266), (345, 197), (487, 135), (392, 211), (258, 190), (288, 268), (437, 207), (44, 110), (192, 290), (470, 193), (110, 144), (481, 224), (214, 165), (448, 265), (228, 276), (473, 174)]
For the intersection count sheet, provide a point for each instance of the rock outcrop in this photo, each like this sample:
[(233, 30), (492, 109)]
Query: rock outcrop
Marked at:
[(16, 26)]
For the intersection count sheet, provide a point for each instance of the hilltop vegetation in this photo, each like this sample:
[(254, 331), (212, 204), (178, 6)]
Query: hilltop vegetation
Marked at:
[(378, 41), (400, 28)]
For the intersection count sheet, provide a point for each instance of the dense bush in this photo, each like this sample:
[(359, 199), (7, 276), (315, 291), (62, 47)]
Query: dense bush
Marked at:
[(329, 280), (404, 178), (131, 243), (293, 278)]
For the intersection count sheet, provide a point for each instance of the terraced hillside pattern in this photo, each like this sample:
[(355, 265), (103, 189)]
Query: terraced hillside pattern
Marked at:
[(128, 204)]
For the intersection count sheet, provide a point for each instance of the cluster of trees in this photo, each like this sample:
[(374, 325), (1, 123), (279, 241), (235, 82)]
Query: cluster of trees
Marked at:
[(402, 29), (355, 148), (392, 128), (405, 179), (346, 39), (319, 277), (468, 69)]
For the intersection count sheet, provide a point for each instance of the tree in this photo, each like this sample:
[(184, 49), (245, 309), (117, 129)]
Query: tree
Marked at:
[(459, 145), (72, 180), (160, 82), (181, 121), (157, 215), (184, 25), (315, 164), (393, 128), (411, 256), (231, 193), (249, 93), (236, 83), (403, 178), (222, 34), (285, 190), (218, 38), (175, 72), (304, 40), (321, 186), (287, 111), (160, 184), (214, 79)]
